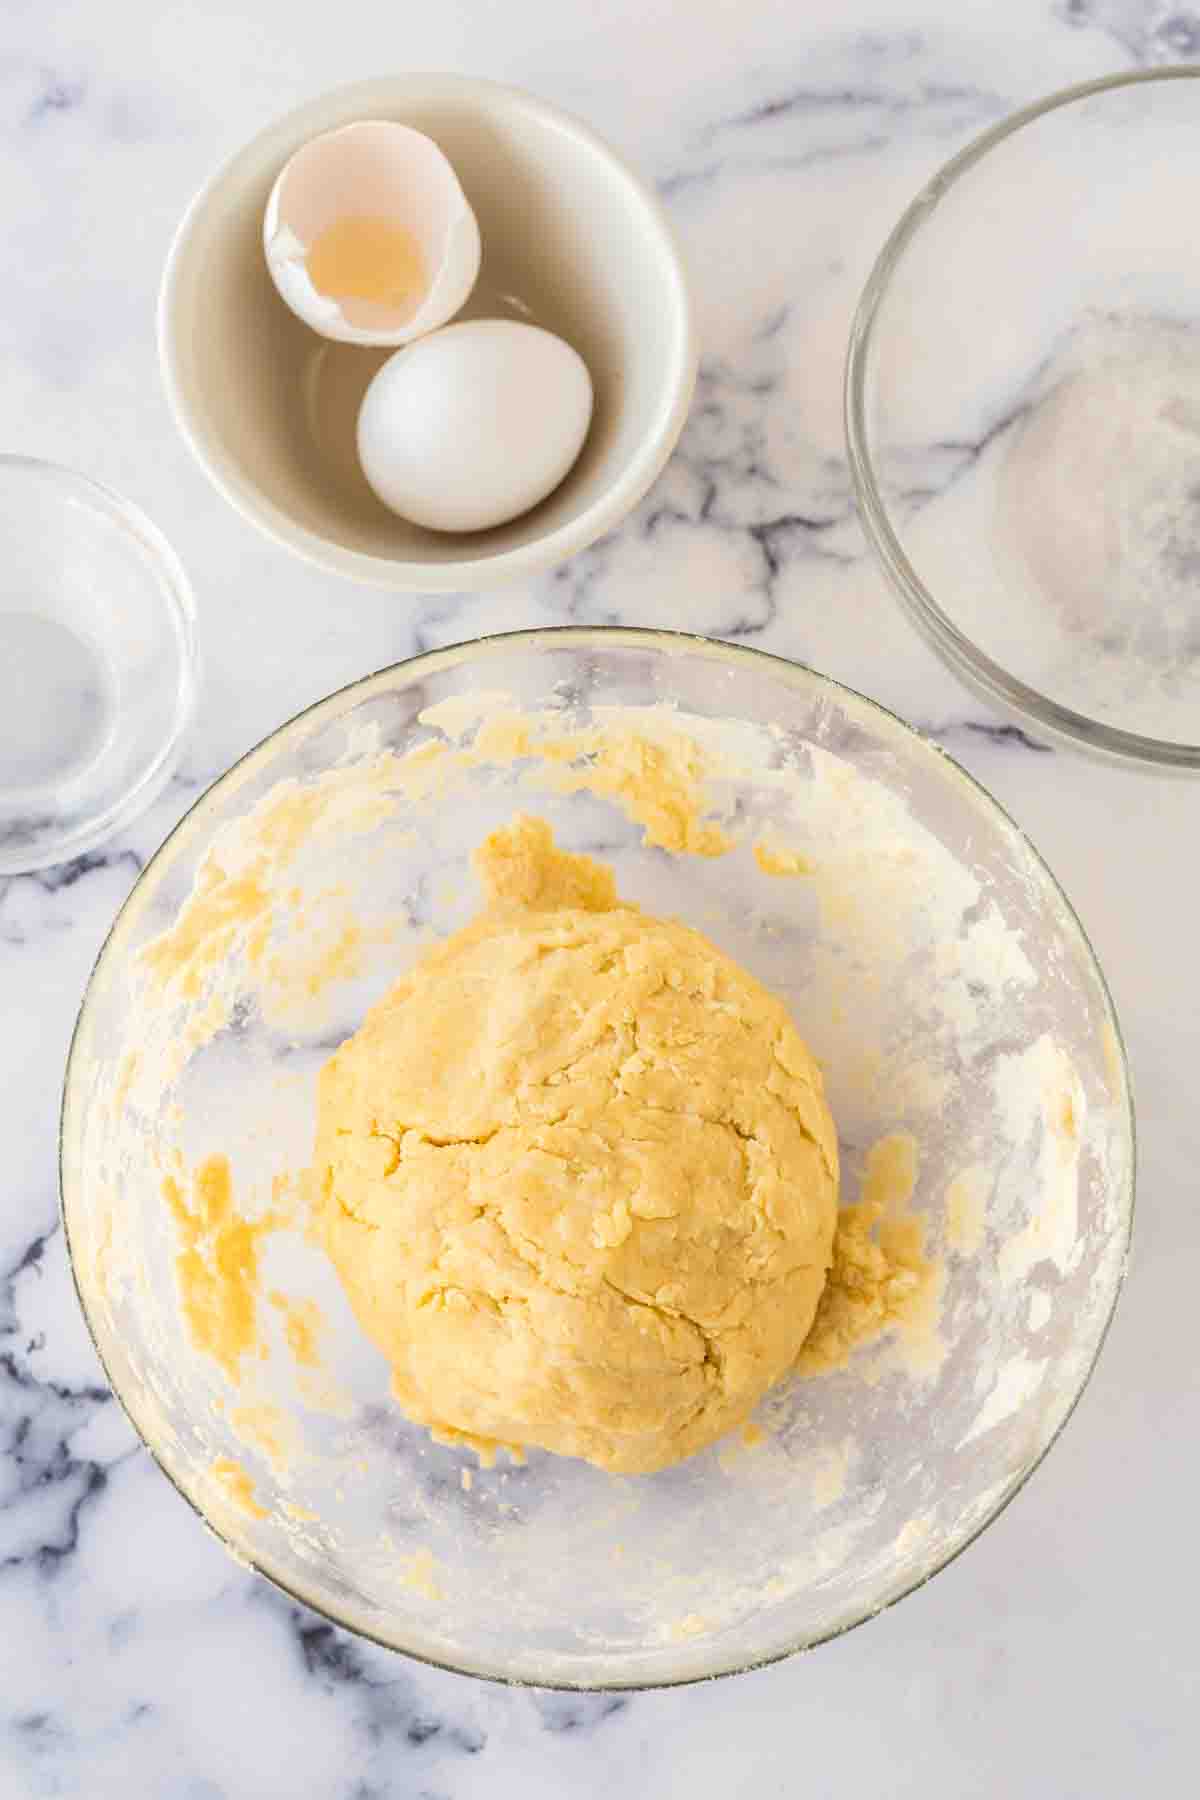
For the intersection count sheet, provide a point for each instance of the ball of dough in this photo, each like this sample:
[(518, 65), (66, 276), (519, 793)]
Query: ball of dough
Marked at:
[(577, 1174)]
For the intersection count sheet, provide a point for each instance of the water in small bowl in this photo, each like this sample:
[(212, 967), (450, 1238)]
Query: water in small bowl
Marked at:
[(57, 698), (96, 663)]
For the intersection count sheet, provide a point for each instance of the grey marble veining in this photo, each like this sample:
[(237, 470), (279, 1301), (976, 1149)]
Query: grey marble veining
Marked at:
[(1057, 1658)]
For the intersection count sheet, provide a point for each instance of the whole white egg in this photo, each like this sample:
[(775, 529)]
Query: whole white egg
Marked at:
[(474, 424)]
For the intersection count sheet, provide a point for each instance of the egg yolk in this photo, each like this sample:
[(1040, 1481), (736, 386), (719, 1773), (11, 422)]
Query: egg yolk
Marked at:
[(364, 258)]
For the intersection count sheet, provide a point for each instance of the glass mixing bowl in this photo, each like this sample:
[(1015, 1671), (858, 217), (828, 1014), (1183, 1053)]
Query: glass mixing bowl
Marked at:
[(928, 957), (1023, 415)]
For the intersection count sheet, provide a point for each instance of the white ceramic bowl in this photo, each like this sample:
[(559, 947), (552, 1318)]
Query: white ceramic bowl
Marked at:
[(571, 239)]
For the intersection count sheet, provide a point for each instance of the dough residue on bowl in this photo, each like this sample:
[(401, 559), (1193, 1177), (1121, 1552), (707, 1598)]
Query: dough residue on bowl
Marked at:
[(217, 1265), (882, 1281)]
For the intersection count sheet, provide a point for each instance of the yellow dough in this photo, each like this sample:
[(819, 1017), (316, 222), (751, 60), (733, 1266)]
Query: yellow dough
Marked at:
[(577, 1174)]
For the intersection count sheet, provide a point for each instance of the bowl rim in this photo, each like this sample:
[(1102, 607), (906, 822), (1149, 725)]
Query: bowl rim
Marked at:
[(141, 541), (971, 664), (634, 637), (642, 469)]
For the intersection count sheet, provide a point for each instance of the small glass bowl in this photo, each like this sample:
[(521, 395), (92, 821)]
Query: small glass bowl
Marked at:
[(97, 663), (1023, 415)]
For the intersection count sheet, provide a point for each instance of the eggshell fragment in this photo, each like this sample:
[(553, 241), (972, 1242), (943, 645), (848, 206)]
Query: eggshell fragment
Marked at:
[(374, 170)]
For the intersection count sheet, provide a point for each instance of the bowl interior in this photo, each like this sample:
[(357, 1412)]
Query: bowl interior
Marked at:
[(930, 961), (1025, 410), (570, 241)]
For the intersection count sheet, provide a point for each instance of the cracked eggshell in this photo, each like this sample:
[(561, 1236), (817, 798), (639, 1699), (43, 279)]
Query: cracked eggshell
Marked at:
[(386, 170)]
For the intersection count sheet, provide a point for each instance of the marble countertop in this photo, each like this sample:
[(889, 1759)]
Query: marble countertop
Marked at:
[(1059, 1657)]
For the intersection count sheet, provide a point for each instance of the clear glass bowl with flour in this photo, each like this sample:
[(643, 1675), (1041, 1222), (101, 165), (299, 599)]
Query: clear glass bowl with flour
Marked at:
[(970, 1054), (1023, 415)]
